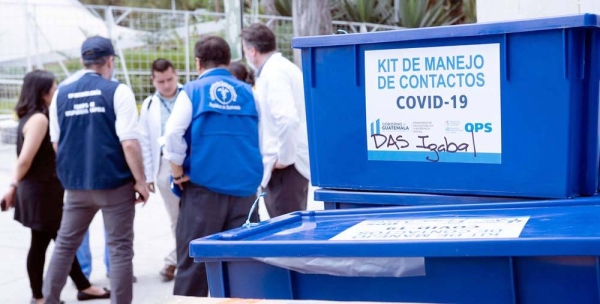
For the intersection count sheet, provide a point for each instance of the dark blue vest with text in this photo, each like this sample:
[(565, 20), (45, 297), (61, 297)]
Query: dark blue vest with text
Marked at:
[(90, 156)]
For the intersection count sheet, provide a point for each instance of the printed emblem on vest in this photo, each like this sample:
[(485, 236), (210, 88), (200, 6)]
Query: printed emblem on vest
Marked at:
[(84, 109), (224, 94)]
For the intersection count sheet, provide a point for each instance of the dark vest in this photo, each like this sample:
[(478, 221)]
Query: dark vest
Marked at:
[(90, 156)]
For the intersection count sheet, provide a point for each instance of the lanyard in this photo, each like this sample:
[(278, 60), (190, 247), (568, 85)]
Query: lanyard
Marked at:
[(165, 104)]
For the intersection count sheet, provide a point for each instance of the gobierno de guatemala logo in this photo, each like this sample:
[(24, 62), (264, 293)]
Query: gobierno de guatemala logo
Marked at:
[(222, 92), (377, 126)]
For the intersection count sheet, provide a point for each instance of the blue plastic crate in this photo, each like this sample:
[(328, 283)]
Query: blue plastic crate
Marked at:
[(500, 109), (552, 258), (343, 199)]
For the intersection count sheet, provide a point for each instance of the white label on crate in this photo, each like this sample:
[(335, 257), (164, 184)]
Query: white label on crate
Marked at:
[(435, 104), (436, 228)]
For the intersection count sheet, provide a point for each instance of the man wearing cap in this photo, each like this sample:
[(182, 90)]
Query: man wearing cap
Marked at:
[(93, 126), (84, 254)]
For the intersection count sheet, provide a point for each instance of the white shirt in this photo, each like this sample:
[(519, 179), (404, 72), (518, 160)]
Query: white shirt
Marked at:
[(125, 107), (177, 124), (280, 95), (150, 135)]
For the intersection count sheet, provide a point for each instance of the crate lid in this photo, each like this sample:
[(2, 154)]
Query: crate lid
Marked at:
[(404, 198), (542, 228), (452, 31)]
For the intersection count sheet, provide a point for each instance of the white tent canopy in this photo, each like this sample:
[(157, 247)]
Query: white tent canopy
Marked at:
[(34, 32)]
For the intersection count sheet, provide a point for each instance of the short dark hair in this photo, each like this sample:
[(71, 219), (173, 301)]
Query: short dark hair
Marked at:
[(260, 37), (212, 51), (36, 84), (160, 65), (95, 62), (239, 71)]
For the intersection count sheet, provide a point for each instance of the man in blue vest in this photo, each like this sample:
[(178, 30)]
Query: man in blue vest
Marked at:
[(93, 126), (212, 142)]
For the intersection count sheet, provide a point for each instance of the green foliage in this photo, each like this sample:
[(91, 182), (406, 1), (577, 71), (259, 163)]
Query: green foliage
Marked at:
[(284, 7), (371, 11), (412, 13), (469, 10), (419, 13)]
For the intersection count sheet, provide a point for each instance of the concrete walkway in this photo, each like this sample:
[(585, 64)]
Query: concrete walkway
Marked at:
[(152, 242)]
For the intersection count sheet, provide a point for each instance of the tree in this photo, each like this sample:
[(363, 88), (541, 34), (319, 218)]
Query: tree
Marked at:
[(269, 7), (370, 11), (310, 18)]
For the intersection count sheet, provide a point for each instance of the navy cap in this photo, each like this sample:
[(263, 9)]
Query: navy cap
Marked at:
[(96, 47)]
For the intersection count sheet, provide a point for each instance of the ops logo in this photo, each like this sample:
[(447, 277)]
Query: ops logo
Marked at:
[(478, 127)]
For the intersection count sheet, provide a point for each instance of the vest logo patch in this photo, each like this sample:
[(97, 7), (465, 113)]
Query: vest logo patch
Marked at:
[(224, 94)]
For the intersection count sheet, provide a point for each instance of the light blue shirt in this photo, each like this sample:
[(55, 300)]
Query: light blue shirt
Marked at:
[(166, 107)]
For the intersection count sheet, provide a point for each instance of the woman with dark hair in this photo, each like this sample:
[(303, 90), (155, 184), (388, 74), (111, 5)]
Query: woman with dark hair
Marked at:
[(35, 191), (240, 72)]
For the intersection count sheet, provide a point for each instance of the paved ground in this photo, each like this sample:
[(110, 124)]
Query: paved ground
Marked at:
[(152, 243)]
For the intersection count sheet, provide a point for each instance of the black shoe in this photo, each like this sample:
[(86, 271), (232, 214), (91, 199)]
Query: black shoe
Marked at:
[(82, 296)]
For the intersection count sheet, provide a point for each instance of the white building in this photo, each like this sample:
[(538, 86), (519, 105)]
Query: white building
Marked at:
[(500, 10)]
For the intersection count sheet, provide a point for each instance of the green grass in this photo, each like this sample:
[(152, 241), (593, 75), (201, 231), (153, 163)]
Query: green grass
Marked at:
[(7, 106)]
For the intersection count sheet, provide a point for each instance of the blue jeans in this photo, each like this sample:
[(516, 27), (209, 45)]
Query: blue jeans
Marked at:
[(84, 255)]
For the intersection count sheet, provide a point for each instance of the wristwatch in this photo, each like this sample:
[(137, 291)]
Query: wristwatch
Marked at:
[(179, 177)]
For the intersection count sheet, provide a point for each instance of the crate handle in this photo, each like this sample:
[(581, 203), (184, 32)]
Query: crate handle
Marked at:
[(249, 224)]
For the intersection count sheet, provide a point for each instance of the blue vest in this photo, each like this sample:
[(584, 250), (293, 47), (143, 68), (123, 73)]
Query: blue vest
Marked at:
[(90, 156), (223, 149)]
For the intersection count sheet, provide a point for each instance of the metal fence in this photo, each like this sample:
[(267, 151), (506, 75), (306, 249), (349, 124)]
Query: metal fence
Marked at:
[(48, 36), (9, 94)]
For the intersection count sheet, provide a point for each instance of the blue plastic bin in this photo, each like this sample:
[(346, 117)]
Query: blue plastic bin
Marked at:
[(343, 199), (552, 258), (499, 109)]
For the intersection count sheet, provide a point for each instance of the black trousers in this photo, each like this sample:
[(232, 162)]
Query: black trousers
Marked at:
[(287, 192), (37, 258), (203, 213)]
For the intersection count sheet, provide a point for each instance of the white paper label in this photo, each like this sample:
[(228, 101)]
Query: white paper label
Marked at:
[(435, 104), (440, 228)]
